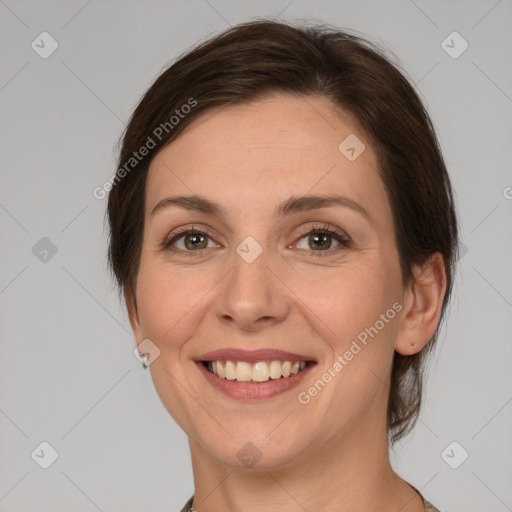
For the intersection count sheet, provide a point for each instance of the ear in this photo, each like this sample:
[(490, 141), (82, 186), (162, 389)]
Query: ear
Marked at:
[(423, 303), (133, 314)]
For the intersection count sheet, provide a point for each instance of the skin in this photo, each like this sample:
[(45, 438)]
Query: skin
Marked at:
[(332, 453)]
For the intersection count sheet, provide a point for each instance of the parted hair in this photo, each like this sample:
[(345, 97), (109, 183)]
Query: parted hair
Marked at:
[(256, 59)]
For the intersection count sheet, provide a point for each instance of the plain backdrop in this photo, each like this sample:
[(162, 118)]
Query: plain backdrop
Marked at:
[(68, 375)]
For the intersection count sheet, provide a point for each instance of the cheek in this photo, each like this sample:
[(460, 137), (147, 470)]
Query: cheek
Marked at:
[(353, 310), (167, 302), (345, 299), (344, 305)]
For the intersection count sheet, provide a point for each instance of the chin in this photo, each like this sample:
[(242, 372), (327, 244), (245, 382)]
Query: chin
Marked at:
[(256, 452)]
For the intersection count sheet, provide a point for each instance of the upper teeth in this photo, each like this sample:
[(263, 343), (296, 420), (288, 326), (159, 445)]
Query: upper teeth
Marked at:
[(259, 372)]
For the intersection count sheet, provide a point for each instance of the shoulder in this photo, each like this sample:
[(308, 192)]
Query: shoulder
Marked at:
[(429, 507), (188, 505)]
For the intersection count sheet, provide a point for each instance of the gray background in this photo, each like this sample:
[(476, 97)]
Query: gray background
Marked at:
[(68, 374)]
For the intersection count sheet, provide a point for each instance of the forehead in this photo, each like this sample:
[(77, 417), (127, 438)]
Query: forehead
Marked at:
[(254, 155)]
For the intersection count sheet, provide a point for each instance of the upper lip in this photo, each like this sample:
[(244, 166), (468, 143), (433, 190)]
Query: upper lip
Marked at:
[(252, 356)]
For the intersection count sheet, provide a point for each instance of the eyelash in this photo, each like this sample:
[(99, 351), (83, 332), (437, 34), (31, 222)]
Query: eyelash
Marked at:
[(344, 241)]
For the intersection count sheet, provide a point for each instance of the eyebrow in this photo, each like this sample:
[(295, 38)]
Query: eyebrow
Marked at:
[(290, 206)]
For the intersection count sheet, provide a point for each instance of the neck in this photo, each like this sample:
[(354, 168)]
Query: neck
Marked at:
[(348, 472)]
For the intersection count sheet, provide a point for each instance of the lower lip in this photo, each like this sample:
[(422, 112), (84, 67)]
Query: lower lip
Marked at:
[(249, 391)]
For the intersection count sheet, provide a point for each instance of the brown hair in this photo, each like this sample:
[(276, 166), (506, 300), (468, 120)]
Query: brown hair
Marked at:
[(256, 59)]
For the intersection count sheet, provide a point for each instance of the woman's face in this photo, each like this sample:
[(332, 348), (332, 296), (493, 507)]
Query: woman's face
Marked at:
[(252, 277)]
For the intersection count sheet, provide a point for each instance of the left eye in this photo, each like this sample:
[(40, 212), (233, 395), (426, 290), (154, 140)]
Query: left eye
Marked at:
[(321, 240)]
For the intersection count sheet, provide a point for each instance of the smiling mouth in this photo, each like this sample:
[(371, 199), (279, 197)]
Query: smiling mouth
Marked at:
[(261, 371)]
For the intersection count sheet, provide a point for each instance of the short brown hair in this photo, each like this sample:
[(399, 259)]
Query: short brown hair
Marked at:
[(256, 59)]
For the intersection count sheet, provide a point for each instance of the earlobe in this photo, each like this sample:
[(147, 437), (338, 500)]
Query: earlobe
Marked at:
[(423, 309)]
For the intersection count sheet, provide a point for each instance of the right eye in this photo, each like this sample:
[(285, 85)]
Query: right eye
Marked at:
[(193, 241)]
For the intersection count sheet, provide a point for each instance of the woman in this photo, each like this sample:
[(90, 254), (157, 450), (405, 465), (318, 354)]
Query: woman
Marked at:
[(284, 235)]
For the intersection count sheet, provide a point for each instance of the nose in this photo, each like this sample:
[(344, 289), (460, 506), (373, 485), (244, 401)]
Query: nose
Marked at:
[(252, 296)]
